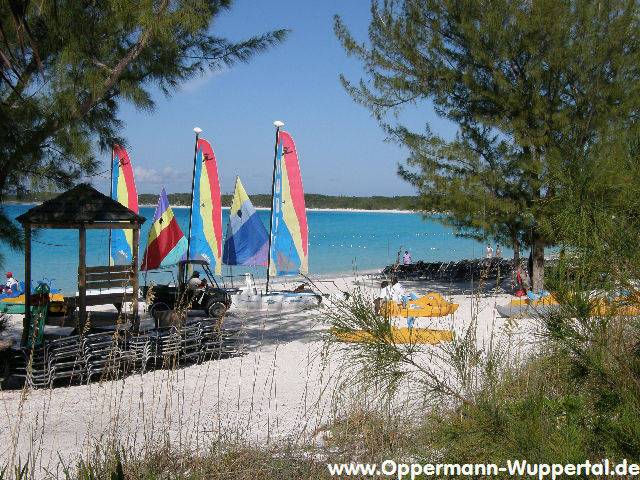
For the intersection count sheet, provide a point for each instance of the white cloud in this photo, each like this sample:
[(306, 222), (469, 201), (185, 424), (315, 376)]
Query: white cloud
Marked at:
[(151, 180), (199, 81)]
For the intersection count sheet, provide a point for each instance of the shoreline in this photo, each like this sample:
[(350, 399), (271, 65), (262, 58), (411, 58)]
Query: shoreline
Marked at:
[(345, 210)]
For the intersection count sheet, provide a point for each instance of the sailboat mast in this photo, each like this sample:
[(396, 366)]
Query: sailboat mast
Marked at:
[(277, 124), (197, 131)]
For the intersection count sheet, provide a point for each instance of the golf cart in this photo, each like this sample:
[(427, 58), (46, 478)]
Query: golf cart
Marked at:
[(212, 299)]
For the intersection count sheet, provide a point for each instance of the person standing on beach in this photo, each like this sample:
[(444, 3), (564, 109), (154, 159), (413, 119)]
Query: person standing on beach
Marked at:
[(385, 291), (489, 251), (12, 285), (498, 251), (401, 297), (398, 293), (406, 258), (383, 296)]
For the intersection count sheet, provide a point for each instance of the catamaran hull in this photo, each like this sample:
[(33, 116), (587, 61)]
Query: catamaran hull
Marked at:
[(526, 311), (276, 301)]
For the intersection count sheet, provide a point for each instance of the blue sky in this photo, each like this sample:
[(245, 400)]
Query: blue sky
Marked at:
[(341, 147)]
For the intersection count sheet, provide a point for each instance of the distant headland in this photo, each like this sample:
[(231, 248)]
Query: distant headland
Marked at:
[(312, 201)]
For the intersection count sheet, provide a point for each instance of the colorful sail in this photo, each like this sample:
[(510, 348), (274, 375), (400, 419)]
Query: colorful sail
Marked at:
[(247, 241), (289, 235), (124, 191), (167, 244), (206, 212)]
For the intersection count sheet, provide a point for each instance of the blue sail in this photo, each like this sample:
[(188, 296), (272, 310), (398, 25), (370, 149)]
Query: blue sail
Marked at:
[(247, 241)]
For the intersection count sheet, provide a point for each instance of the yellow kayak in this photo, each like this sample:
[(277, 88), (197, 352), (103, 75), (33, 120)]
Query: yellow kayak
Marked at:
[(625, 306), (430, 305), (400, 335)]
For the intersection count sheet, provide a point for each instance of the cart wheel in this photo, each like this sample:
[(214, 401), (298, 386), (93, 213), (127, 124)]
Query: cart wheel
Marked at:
[(158, 307), (215, 309)]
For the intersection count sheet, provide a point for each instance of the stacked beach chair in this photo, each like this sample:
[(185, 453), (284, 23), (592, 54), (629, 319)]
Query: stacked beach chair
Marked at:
[(453, 271), (135, 353), (219, 343), (58, 359), (190, 342), (165, 346), (67, 359), (103, 354), (108, 355)]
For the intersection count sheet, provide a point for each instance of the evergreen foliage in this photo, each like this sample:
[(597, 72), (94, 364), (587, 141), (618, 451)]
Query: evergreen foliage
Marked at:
[(67, 66), (533, 99)]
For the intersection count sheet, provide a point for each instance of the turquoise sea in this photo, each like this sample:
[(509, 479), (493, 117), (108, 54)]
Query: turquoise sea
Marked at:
[(339, 242)]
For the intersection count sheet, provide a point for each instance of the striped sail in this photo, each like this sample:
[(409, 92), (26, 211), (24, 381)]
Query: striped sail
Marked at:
[(123, 191), (289, 235), (206, 214), (166, 244), (247, 241)]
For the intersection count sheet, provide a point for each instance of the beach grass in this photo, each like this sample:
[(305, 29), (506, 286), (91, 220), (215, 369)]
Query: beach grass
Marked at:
[(548, 390)]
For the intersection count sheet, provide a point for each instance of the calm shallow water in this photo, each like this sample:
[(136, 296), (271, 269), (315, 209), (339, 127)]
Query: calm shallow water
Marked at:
[(338, 242)]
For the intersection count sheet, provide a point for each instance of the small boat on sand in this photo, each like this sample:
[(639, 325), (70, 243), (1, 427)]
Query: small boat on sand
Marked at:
[(626, 305), (429, 305), (530, 306), (539, 305), (14, 303), (284, 249), (399, 335)]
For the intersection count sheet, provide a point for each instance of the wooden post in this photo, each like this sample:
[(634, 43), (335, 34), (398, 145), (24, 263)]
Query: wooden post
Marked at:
[(26, 323), (136, 242), (82, 271)]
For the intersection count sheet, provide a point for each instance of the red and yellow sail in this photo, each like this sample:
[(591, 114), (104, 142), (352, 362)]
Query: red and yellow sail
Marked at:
[(123, 190), (166, 244), (289, 236), (206, 209)]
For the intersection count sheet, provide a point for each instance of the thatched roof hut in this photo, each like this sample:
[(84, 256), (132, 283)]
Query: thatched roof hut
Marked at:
[(81, 204), (82, 208)]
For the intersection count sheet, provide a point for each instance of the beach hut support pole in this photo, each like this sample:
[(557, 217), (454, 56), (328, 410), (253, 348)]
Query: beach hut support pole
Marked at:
[(82, 272), (136, 243), (27, 285)]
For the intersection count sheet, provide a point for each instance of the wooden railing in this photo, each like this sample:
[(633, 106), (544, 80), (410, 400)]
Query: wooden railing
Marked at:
[(108, 277)]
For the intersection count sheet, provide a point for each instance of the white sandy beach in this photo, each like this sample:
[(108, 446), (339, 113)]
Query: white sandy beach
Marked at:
[(281, 389)]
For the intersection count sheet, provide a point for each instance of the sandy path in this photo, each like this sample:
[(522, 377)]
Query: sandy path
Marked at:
[(282, 387)]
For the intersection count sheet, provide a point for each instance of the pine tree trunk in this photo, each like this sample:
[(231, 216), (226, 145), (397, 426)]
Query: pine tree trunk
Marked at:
[(537, 276), (516, 262), (516, 254)]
